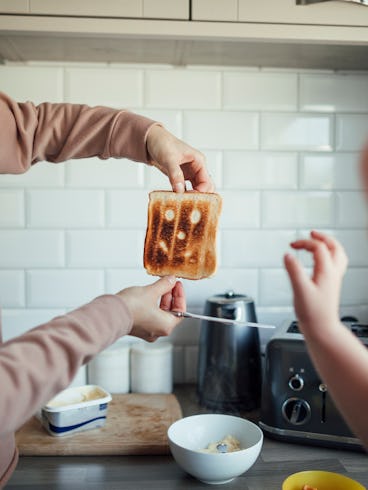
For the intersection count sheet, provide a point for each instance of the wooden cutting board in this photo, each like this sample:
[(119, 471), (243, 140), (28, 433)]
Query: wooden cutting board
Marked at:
[(136, 424)]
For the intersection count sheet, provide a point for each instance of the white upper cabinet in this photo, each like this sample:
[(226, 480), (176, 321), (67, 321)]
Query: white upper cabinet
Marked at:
[(88, 8), (136, 9), (220, 10), (341, 13), (166, 9), (331, 35), (14, 6), (338, 13)]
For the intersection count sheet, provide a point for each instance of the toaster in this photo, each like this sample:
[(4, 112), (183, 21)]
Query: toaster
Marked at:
[(296, 405)]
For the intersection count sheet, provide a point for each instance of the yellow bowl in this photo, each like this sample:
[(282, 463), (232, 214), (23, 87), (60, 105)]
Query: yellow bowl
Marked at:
[(321, 480)]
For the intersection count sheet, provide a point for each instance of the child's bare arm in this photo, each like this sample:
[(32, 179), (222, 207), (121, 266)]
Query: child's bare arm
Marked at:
[(340, 358)]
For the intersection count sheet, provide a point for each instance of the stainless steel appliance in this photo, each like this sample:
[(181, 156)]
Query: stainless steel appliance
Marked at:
[(296, 404), (309, 2), (229, 362)]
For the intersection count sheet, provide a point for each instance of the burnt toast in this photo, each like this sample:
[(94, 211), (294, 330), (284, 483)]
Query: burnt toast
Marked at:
[(181, 234)]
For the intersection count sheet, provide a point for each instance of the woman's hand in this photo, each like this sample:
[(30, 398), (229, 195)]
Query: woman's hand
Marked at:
[(147, 305), (178, 160), (316, 298)]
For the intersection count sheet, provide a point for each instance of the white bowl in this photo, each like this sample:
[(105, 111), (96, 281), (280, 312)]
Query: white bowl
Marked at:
[(188, 436)]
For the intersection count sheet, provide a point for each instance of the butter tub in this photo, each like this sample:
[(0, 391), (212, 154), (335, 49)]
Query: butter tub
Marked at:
[(76, 409)]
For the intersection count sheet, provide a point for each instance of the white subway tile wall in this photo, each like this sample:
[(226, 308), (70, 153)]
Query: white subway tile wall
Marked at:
[(268, 92), (282, 149), (351, 133), (182, 89), (333, 93), (330, 171), (13, 202)]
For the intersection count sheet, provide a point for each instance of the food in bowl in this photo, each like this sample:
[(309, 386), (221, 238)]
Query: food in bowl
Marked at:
[(228, 444), (76, 409), (320, 480), (188, 436)]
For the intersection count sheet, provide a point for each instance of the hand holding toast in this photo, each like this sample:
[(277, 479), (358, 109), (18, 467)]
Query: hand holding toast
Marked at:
[(147, 305), (178, 160)]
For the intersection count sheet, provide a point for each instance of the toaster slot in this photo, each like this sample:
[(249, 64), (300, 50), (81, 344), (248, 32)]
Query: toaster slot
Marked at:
[(323, 408), (323, 389), (359, 330)]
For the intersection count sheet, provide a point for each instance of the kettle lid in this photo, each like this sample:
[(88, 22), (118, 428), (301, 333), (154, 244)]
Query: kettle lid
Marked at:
[(229, 297)]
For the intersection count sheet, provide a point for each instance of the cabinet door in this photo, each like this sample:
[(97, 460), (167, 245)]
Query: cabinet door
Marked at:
[(14, 6), (88, 8), (287, 12), (154, 9), (166, 9), (220, 10)]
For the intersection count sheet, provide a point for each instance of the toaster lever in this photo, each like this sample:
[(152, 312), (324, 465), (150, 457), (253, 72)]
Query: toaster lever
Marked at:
[(323, 389)]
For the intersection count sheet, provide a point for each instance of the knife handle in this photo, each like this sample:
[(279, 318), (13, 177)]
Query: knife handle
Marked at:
[(179, 314)]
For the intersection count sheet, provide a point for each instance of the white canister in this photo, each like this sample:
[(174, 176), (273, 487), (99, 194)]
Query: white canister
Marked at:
[(110, 368), (151, 367)]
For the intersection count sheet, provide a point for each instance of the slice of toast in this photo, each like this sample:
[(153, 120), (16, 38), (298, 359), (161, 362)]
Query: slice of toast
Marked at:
[(181, 234)]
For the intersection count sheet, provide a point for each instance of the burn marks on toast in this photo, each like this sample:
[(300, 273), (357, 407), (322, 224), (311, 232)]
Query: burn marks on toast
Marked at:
[(175, 241)]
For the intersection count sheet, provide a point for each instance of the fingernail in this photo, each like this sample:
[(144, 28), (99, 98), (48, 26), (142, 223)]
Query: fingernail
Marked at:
[(172, 279), (178, 187)]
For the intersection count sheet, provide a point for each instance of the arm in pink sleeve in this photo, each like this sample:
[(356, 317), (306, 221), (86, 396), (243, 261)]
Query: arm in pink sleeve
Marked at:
[(59, 132), (37, 365)]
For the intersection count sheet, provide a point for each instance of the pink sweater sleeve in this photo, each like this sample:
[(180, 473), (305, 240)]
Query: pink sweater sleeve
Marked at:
[(37, 365), (59, 132)]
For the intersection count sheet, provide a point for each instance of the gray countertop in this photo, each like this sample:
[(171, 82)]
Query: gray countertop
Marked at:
[(276, 462)]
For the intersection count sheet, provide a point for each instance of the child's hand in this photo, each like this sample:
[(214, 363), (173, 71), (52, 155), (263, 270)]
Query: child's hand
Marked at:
[(178, 160), (147, 305), (316, 298)]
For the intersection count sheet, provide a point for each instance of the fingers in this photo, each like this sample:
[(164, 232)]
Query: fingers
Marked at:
[(174, 300), (177, 160), (202, 181), (317, 247), (176, 178), (163, 286), (321, 255), (166, 301), (335, 247), (178, 298), (324, 248), (297, 274), (196, 172), (330, 242)]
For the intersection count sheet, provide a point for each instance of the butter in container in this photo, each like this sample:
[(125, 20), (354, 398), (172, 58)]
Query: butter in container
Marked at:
[(76, 409)]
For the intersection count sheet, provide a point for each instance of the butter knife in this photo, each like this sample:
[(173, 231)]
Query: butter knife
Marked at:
[(227, 321)]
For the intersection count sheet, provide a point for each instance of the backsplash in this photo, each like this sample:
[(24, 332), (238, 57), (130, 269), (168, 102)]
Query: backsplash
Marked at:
[(282, 148)]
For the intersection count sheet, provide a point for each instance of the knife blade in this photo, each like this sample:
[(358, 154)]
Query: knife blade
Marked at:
[(227, 321)]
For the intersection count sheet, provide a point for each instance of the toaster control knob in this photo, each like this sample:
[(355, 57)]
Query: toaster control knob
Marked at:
[(296, 411), (296, 382)]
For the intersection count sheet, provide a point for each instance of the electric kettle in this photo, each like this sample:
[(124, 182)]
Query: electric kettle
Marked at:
[(229, 359)]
